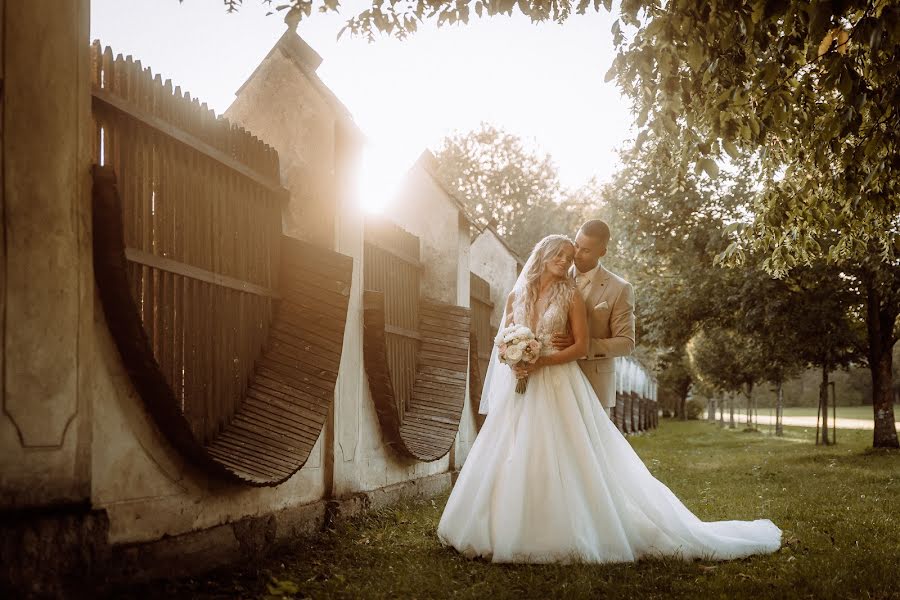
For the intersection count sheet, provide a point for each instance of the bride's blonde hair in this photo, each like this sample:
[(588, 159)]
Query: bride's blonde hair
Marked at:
[(529, 283)]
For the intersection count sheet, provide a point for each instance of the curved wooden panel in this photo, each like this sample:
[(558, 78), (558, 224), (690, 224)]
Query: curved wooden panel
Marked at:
[(428, 426), (292, 387), (292, 384)]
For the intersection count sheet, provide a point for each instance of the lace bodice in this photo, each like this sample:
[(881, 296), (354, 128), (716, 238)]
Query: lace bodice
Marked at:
[(553, 320)]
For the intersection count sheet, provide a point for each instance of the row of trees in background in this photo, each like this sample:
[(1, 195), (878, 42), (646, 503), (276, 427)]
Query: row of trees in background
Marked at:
[(710, 327), (800, 97), (729, 329)]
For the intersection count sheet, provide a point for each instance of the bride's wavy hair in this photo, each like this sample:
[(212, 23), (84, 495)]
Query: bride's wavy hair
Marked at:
[(528, 285)]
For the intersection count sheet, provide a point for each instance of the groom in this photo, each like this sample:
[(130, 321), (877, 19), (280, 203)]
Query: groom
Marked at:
[(609, 301)]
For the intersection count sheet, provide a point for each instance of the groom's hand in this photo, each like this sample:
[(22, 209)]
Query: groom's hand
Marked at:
[(561, 341)]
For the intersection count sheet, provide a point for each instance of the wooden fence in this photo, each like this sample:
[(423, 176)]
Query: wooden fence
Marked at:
[(392, 266), (201, 211), (482, 340), (416, 351)]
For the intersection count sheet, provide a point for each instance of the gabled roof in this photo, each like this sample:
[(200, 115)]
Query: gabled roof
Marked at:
[(428, 163), (490, 228), (307, 60)]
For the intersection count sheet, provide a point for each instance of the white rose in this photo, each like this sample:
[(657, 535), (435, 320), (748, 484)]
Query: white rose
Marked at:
[(514, 353)]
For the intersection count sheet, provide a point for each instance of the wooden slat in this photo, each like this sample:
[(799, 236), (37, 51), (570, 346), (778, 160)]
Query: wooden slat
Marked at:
[(402, 256), (171, 266), (108, 99), (403, 332)]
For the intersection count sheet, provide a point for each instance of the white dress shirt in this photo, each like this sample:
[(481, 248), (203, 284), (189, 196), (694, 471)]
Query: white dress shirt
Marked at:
[(583, 280)]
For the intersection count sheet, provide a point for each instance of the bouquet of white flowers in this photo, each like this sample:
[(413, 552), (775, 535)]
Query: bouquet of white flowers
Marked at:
[(517, 344)]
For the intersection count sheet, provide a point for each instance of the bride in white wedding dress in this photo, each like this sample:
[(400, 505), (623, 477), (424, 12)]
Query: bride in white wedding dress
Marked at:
[(549, 477)]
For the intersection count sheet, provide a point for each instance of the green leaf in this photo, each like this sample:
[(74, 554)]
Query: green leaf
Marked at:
[(759, 8), (730, 148), (611, 73), (845, 84), (754, 125), (710, 166), (695, 56)]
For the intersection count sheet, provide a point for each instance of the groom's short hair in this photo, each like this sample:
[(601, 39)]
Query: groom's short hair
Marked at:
[(597, 229)]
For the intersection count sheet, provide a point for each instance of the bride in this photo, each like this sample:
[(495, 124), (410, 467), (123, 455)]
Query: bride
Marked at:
[(549, 477)]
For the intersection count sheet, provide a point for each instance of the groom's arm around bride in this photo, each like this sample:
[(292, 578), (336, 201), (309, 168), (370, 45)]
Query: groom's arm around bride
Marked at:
[(609, 302)]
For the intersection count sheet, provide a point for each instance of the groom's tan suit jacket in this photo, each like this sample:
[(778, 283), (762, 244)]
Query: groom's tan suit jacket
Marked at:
[(609, 301)]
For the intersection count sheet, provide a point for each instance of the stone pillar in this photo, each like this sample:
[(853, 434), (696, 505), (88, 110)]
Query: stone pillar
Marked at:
[(46, 291), (343, 425), (465, 435)]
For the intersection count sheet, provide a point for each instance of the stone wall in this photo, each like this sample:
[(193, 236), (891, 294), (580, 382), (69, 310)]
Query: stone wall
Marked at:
[(47, 285), (73, 432), (495, 262)]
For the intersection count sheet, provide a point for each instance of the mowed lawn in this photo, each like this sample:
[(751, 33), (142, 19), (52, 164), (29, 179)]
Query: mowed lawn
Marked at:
[(839, 508)]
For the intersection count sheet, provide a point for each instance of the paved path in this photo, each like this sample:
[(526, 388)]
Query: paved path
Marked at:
[(842, 422)]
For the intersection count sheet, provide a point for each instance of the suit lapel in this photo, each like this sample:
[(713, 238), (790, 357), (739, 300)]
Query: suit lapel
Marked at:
[(598, 286)]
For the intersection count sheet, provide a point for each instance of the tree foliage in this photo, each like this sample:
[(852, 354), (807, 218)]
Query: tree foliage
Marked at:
[(810, 88), (508, 184)]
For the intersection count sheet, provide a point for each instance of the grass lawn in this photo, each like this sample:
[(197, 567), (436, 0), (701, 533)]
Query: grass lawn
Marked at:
[(839, 508)]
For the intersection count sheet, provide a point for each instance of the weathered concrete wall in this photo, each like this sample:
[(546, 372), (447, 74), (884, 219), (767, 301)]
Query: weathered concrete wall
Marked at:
[(467, 426), (495, 263), (284, 103), (47, 294), (423, 208)]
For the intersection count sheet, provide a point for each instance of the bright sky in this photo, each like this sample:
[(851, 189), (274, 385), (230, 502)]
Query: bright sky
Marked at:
[(541, 82)]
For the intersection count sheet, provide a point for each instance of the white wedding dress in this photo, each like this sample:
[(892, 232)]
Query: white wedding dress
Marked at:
[(550, 479)]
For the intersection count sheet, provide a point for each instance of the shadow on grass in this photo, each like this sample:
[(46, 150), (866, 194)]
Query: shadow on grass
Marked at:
[(838, 506)]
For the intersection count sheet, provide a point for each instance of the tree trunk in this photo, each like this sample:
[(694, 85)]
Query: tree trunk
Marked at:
[(823, 403), (779, 411), (731, 424), (722, 412), (880, 318), (682, 407), (749, 406)]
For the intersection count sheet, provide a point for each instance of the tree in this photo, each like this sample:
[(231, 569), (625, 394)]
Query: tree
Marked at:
[(805, 319), (728, 361), (505, 183), (675, 382)]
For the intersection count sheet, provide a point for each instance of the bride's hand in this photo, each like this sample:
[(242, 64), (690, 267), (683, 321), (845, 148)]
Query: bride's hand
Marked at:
[(523, 370)]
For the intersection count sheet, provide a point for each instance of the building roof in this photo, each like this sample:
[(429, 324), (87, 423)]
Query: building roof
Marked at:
[(428, 163), (490, 229), (307, 60)]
